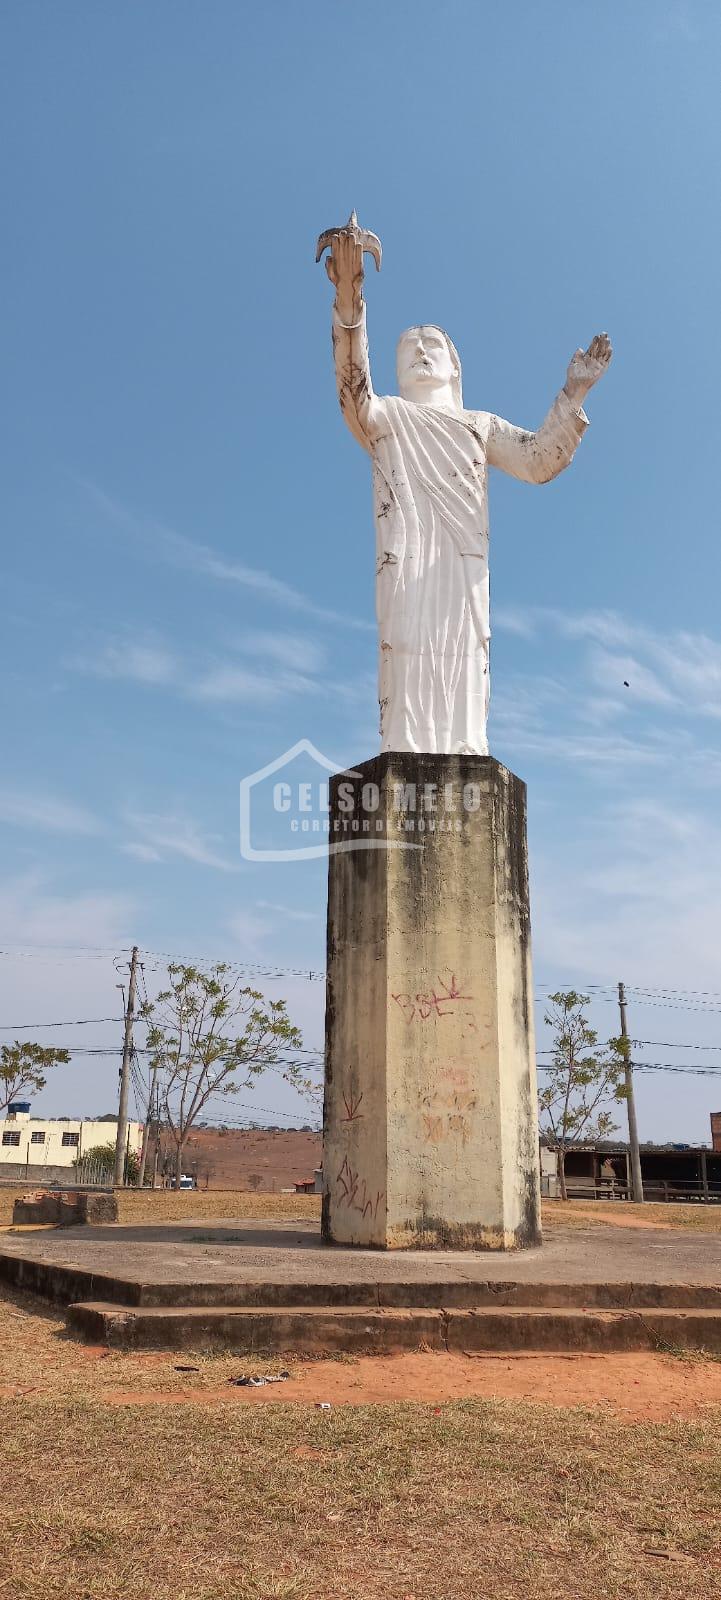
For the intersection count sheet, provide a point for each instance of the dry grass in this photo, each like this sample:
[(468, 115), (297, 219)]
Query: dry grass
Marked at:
[(164, 1205), (38, 1354), (580, 1213), (468, 1499), (167, 1205), (282, 1502)]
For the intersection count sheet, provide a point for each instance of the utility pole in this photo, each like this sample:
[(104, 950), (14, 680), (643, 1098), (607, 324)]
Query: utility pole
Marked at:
[(119, 1173), (636, 1179)]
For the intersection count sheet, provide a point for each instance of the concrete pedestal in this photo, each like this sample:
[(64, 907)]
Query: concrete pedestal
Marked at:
[(430, 1125)]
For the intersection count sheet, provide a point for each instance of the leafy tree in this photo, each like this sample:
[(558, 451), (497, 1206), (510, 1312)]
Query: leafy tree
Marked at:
[(583, 1079), (23, 1068), (103, 1156), (208, 1037)]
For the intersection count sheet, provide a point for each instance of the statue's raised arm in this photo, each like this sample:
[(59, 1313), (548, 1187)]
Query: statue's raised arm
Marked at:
[(538, 457), (344, 265)]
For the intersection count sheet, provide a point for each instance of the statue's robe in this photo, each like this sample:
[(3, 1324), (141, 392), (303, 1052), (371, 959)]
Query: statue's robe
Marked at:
[(430, 474)]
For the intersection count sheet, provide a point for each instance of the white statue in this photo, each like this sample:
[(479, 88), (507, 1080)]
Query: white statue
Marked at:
[(430, 464)]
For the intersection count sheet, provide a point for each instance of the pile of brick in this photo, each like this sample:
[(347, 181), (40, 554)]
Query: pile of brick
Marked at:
[(55, 1208)]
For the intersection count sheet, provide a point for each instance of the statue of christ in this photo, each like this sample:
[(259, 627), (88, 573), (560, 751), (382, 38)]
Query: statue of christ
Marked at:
[(430, 460)]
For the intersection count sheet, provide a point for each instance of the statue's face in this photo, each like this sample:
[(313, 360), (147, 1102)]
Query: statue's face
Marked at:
[(424, 361)]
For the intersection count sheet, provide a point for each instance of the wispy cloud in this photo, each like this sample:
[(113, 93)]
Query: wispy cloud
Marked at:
[(240, 685), (249, 932), (289, 913), (628, 662), (512, 619), (48, 813), (158, 838), (200, 558), (606, 753), (135, 660), (295, 651), (633, 894), (611, 670), (32, 913), (263, 668)]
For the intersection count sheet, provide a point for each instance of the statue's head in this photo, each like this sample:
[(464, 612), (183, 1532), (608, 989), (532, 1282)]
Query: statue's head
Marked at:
[(427, 362)]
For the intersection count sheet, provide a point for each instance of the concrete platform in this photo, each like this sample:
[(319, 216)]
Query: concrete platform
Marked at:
[(274, 1286)]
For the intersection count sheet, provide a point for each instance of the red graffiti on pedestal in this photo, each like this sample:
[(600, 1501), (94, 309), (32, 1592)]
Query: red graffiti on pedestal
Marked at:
[(351, 1103), (440, 1002), (354, 1192)]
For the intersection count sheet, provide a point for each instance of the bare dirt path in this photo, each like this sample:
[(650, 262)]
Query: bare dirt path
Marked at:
[(638, 1387), (38, 1358)]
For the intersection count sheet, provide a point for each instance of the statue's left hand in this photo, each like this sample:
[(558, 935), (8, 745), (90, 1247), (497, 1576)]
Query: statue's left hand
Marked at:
[(586, 367)]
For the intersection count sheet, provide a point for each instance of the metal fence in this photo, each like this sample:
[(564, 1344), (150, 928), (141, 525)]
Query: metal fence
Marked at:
[(92, 1173)]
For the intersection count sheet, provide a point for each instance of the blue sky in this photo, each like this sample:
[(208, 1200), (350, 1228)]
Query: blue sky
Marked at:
[(187, 559)]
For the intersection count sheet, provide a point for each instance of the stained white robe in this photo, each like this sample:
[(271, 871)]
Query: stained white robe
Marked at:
[(430, 469)]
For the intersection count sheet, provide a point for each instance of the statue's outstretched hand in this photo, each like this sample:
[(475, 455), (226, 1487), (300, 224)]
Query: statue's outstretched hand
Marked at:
[(586, 367), (344, 266)]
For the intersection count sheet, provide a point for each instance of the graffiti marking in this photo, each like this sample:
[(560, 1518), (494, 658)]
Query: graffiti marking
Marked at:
[(354, 1192), (435, 1004), (352, 1113)]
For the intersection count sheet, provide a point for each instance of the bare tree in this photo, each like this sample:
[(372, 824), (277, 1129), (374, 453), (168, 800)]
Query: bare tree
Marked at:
[(209, 1037)]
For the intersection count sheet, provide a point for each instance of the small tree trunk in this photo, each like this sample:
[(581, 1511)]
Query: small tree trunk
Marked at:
[(140, 1180), (178, 1165), (561, 1169)]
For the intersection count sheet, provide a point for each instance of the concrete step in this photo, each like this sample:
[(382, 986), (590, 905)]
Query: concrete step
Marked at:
[(315, 1330), (308, 1331), (66, 1284)]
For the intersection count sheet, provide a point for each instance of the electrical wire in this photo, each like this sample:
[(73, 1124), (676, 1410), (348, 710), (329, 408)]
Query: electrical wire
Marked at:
[(670, 1044), (73, 1022), (245, 968), (284, 1116), (647, 993), (656, 1066)]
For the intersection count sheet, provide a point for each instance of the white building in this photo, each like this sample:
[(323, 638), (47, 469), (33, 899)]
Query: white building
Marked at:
[(36, 1142)]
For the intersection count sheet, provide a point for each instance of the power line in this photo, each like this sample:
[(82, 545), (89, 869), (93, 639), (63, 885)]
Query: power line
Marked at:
[(710, 994), (284, 1116), (675, 1005), (671, 1044), (35, 947), (648, 993), (641, 1066), (656, 1066), (555, 988), (80, 952), (244, 968), (73, 1022)]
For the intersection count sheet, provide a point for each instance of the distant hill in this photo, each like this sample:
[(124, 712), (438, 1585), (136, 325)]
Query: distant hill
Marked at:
[(251, 1158)]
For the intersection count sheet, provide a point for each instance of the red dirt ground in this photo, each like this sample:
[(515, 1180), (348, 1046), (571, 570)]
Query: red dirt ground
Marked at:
[(634, 1387)]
